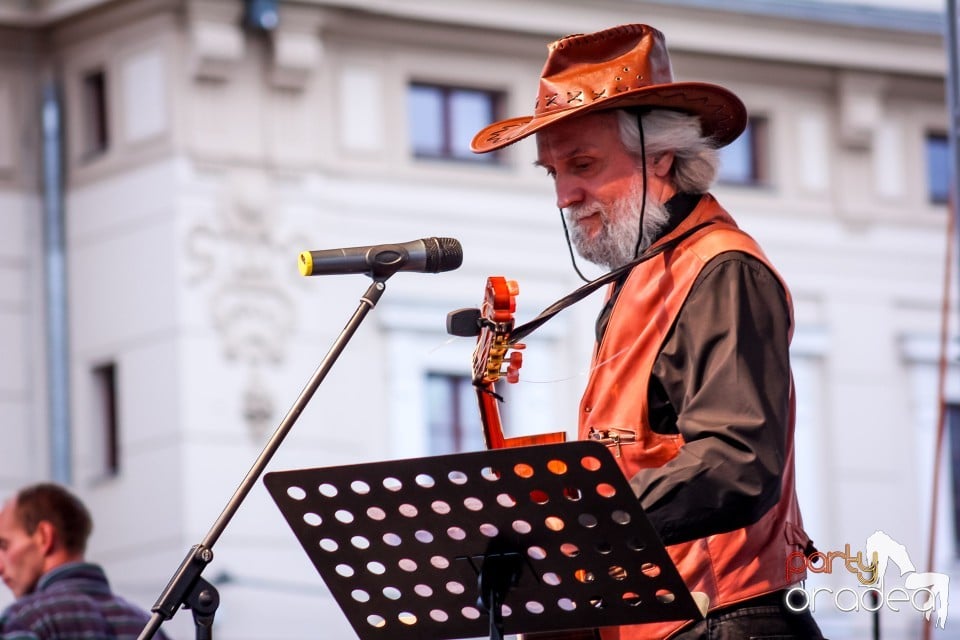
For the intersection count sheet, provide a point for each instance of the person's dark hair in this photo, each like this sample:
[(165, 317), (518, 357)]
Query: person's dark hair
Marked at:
[(54, 504)]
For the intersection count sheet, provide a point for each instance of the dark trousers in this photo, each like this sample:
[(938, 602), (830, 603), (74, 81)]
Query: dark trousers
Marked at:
[(762, 618)]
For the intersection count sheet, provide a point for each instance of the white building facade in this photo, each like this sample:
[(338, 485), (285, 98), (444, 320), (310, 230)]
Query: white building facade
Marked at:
[(199, 157)]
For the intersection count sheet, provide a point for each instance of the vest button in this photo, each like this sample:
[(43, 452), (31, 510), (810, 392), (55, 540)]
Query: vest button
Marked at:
[(587, 409)]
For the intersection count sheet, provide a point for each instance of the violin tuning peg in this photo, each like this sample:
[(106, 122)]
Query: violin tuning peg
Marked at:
[(513, 288), (516, 359), (519, 346), (513, 375)]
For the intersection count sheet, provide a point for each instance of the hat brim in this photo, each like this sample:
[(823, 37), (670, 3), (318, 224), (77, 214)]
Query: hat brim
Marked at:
[(722, 114)]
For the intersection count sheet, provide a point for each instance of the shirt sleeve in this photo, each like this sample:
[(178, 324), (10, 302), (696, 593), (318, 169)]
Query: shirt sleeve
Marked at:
[(725, 370)]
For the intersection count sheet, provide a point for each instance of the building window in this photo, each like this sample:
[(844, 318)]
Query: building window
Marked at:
[(453, 417), (93, 127), (443, 120), (938, 167), (745, 161), (106, 418)]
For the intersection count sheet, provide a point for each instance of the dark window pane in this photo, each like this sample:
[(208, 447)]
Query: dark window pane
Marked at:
[(425, 106), (938, 168), (453, 418), (470, 111), (95, 134), (743, 161), (105, 386), (443, 120)]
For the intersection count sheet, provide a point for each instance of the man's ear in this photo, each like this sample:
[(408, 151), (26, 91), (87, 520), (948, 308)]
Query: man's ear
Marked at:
[(662, 164), (46, 537)]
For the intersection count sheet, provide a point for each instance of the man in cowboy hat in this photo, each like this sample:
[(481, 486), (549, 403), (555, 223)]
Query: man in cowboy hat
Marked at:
[(693, 389)]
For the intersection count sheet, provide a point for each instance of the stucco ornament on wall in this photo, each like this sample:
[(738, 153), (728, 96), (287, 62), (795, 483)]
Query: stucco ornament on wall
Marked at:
[(244, 264)]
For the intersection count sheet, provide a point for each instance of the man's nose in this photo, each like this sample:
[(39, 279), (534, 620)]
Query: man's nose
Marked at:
[(569, 192)]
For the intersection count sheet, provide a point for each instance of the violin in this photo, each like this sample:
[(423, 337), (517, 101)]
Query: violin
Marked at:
[(495, 357)]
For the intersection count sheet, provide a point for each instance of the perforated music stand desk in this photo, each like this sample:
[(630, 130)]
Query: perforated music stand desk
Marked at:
[(420, 548)]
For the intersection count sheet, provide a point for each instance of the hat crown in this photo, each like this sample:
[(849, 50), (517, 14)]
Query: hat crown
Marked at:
[(582, 69)]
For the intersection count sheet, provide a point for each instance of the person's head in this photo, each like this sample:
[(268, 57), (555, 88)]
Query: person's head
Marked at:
[(594, 89), (41, 527)]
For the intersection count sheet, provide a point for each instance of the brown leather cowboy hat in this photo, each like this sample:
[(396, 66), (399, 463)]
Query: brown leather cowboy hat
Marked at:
[(625, 66)]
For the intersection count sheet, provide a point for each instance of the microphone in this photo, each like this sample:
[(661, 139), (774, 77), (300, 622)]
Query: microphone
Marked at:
[(428, 255)]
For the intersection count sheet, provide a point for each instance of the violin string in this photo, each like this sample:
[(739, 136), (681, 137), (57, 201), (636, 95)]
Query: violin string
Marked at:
[(581, 374)]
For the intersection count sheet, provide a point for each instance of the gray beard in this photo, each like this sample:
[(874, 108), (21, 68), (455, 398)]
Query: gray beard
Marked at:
[(616, 242)]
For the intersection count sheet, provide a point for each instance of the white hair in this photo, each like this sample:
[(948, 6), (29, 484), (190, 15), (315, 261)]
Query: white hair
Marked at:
[(695, 156)]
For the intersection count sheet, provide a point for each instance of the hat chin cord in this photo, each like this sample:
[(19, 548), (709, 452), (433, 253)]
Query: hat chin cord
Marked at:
[(643, 207)]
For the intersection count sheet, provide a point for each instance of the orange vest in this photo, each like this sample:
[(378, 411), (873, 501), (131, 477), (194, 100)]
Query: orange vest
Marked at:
[(727, 567)]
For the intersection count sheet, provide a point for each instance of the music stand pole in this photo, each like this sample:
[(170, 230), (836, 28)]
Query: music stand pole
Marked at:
[(187, 586)]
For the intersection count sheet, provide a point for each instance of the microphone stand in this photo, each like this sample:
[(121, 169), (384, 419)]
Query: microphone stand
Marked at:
[(187, 587)]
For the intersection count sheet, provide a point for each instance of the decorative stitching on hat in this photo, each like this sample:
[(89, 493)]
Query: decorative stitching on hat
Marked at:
[(551, 100), (575, 96)]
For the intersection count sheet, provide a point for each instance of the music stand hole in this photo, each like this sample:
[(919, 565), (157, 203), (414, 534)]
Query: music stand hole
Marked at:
[(636, 544), (344, 571), (360, 595), (344, 516), (392, 484), (392, 539), (327, 490), (557, 467), (470, 613), (425, 481), (407, 618), (376, 513), (360, 542), (590, 463), (424, 536), (423, 591), (506, 500), (537, 553), (439, 562), (490, 474), (391, 593), (588, 520), (473, 504), (567, 604), (650, 570), (455, 587), (617, 572), (297, 493), (570, 550), (585, 576), (554, 523), (603, 548), (523, 470), (376, 621), (605, 490), (312, 519), (573, 494), (457, 477), (505, 610), (620, 517), (438, 615), (522, 527), (489, 530), (538, 496), (360, 487), (534, 607), (376, 568), (664, 596), (329, 545), (631, 599), (407, 510), (407, 565), (551, 579), (456, 533), (441, 507)]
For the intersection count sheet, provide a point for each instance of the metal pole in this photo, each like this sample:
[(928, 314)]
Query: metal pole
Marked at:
[(55, 286)]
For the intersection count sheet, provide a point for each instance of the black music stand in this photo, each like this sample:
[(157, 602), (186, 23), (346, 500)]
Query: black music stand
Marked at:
[(517, 540)]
